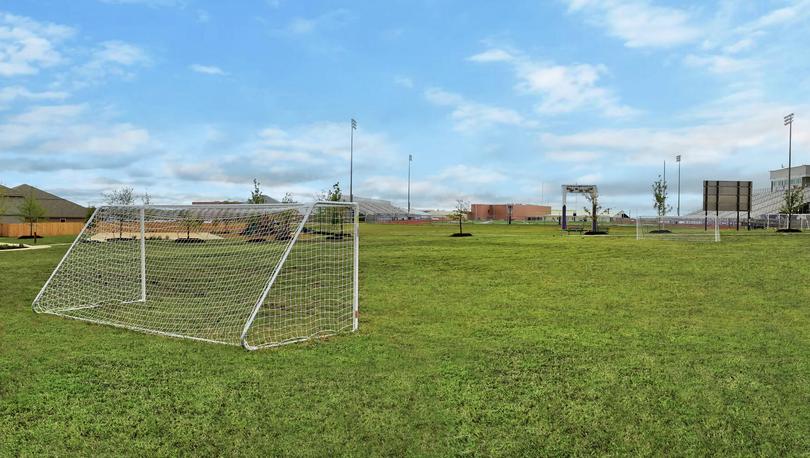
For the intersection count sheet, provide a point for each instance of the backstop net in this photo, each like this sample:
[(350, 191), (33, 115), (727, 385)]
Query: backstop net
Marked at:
[(250, 275)]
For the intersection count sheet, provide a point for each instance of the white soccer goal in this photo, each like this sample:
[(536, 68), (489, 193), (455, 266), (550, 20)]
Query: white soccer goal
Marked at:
[(251, 275), (678, 228), (780, 221)]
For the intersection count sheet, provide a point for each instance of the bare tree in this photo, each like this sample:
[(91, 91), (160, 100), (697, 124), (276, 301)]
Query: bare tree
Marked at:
[(120, 196), (288, 198), (460, 212), (124, 196), (146, 198), (190, 222)]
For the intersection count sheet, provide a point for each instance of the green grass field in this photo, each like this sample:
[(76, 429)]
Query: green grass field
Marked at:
[(515, 341)]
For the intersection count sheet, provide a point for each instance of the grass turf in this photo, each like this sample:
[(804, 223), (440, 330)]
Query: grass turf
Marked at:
[(513, 341)]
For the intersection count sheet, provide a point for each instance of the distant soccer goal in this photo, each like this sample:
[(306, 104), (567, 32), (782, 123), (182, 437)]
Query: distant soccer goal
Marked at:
[(251, 275), (780, 221), (677, 228)]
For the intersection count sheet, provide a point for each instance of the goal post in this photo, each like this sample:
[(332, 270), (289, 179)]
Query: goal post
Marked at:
[(678, 228), (251, 275)]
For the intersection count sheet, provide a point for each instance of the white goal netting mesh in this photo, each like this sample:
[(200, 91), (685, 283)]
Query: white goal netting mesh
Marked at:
[(705, 229), (255, 275)]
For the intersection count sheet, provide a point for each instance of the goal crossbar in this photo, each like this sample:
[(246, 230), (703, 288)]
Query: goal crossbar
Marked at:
[(251, 275)]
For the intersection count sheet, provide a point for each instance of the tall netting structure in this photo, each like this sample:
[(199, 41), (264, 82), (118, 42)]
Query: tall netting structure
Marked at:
[(703, 229), (251, 275)]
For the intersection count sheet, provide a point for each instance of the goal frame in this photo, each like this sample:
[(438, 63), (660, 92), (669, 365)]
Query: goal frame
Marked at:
[(673, 220), (307, 210)]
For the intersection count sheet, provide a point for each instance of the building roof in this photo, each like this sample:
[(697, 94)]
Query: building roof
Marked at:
[(54, 206)]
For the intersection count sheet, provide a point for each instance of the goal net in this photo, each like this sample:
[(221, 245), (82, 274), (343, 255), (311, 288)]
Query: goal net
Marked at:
[(678, 228), (251, 275)]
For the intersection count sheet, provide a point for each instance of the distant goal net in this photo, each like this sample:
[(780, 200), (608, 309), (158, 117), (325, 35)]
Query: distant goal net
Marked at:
[(678, 228), (251, 275)]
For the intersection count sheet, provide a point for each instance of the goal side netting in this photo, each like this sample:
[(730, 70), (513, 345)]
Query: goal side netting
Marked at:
[(250, 275), (678, 228)]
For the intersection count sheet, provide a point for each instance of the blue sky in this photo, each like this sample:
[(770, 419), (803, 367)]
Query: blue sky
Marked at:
[(191, 99)]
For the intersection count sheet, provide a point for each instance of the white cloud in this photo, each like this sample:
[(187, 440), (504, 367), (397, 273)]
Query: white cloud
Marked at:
[(639, 23), (207, 69), (573, 156), (151, 3), (467, 174), (778, 17), (719, 64), (307, 26), (737, 134), (310, 157), (26, 46), (403, 81), (470, 116), (10, 94), (562, 88), (109, 59), (53, 137), (492, 55)]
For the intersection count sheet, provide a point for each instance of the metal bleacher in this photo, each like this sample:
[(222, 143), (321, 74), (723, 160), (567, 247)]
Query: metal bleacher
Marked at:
[(763, 202)]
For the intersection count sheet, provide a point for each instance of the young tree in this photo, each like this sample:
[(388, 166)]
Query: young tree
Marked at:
[(31, 212), (124, 196), (334, 194), (3, 202), (288, 198), (146, 198), (460, 212), (190, 221), (659, 189), (121, 196), (256, 196), (594, 209), (793, 201)]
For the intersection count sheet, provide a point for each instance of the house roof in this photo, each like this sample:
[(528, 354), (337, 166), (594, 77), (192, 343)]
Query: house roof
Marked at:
[(54, 206)]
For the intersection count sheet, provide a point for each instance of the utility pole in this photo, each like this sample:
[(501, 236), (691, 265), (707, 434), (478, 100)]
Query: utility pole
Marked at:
[(789, 123), (351, 161), (666, 191), (410, 159), (678, 159)]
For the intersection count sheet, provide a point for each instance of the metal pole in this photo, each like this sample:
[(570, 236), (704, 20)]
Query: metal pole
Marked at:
[(351, 160), (356, 276), (143, 255), (410, 159), (790, 154), (679, 185)]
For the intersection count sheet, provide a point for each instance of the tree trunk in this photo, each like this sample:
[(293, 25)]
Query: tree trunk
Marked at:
[(460, 230)]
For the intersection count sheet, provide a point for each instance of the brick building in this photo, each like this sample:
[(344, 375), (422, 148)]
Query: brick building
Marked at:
[(520, 212)]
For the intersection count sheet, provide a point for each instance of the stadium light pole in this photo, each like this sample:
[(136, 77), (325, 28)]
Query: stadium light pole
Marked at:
[(410, 159), (351, 160), (789, 123), (678, 160), (665, 186)]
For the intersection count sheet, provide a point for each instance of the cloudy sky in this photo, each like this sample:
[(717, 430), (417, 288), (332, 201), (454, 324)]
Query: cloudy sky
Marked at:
[(496, 101)]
